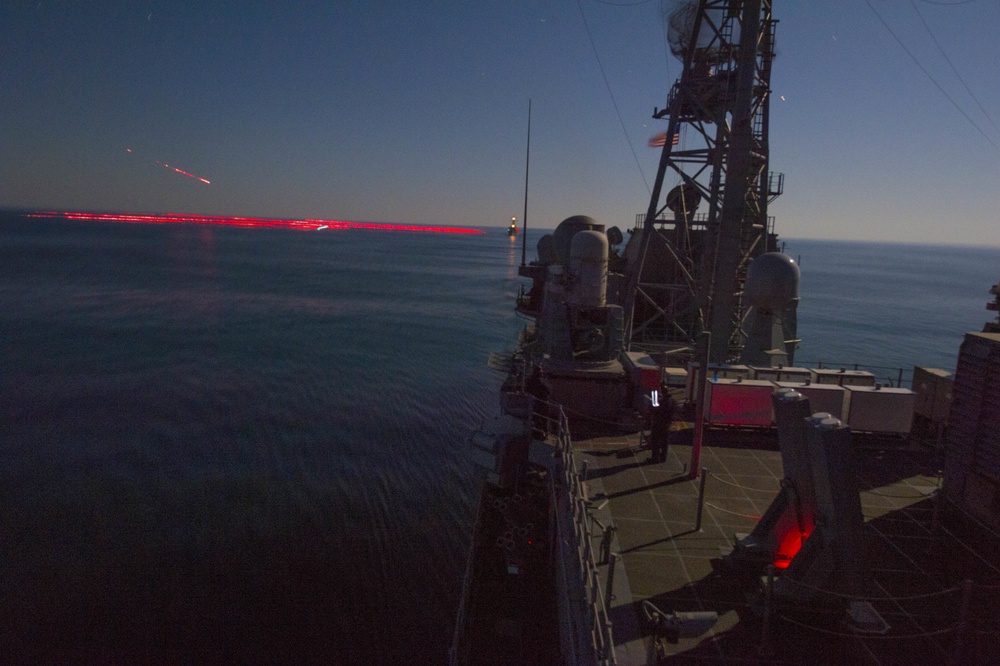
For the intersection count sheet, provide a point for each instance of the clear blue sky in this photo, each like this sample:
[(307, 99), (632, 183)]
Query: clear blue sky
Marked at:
[(416, 111)]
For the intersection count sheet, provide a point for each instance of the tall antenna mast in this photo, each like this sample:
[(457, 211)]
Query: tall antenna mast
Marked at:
[(524, 219), (688, 273)]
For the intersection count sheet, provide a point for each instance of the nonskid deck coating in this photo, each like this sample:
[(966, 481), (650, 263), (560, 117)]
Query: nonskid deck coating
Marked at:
[(917, 567)]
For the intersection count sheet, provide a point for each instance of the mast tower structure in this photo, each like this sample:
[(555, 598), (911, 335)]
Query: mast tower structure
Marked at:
[(686, 275)]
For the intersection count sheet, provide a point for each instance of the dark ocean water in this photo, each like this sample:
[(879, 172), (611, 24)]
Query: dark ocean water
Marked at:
[(891, 306), (247, 445), (226, 444)]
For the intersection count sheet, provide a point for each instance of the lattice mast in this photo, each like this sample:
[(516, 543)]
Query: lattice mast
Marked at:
[(687, 275)]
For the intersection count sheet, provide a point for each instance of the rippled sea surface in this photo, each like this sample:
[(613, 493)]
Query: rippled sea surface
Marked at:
[(890, 305), (248, 445), (240, 444)]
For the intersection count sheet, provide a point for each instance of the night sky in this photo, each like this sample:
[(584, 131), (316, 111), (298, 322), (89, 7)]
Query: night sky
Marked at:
[(416, 111)]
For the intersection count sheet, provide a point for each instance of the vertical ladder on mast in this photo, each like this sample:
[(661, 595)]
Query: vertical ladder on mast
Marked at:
[(687, 277)]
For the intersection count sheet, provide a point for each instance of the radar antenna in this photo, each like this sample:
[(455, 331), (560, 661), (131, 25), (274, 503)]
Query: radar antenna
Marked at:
[(687, 272)]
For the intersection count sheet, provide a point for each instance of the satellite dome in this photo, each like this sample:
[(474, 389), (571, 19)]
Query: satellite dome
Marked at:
[(589, 260), (563, 235), (546, 249), (684, 199), (772, 282)]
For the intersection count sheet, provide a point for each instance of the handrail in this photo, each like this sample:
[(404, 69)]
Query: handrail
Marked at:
[(600, 629), (902, 375), (466, 582)]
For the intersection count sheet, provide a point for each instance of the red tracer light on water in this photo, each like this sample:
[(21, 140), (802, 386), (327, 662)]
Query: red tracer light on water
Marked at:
[(251, 222)]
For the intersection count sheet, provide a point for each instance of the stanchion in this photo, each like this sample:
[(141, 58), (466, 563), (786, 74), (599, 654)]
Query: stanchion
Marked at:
[(963, 624), (609, 585), (936, 515), (705, 344), (701, 499), (609, 534), (765, 631)]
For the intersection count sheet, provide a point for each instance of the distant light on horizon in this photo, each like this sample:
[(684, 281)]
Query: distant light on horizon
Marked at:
[(248, 222)]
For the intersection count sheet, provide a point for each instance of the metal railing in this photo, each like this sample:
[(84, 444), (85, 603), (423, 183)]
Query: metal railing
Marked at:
[(466, 583), (592, 626), (893, 376)]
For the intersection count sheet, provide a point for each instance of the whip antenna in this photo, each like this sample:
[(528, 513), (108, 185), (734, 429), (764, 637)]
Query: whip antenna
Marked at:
[(524, 218)]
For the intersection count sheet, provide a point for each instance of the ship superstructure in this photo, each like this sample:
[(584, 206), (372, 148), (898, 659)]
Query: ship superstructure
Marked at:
[(682, 288), (796, 496), (687, 268)]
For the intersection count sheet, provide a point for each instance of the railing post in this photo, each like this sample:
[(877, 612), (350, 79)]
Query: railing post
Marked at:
[(765, 632), (595, 635), (701, 498), (609, 584), (705, 345), (936, 514), (609, 534), (963, 624), (574, 480)]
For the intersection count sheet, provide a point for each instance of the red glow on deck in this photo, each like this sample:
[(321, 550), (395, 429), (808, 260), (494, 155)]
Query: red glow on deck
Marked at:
[(254, 222), (790, 546)]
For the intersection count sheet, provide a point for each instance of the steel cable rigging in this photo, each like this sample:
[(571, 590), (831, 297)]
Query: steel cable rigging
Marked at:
[(929, 76)]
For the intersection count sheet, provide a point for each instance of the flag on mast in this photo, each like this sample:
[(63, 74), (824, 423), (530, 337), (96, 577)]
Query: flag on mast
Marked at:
[(660, 140)]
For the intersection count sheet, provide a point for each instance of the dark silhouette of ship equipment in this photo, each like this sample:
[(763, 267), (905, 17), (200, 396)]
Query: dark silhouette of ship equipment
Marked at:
[(700, 304), (686, 270)]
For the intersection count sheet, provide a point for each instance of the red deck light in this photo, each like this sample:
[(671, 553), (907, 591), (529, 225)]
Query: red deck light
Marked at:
[(790, 546)]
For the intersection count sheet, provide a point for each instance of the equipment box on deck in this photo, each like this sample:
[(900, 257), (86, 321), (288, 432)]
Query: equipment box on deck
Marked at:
[(675, 377), (827, 398), (715, 371), (744, 402), (644, 370), (878, 409), (843, 377), (786, 374), (933, 389)]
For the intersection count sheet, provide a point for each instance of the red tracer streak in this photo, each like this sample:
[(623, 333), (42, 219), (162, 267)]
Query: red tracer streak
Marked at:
[(226, 220)]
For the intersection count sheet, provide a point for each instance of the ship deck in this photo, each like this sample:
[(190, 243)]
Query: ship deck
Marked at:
[(919, 556)]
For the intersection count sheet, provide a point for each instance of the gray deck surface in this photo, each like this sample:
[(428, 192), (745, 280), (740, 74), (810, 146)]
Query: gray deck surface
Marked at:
[(664, 560)]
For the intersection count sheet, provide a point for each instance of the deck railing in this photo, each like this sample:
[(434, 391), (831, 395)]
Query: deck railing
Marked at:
[(453, 659), (588, 623)]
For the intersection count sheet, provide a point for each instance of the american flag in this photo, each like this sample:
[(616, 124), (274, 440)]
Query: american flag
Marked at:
[(660, 140)]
